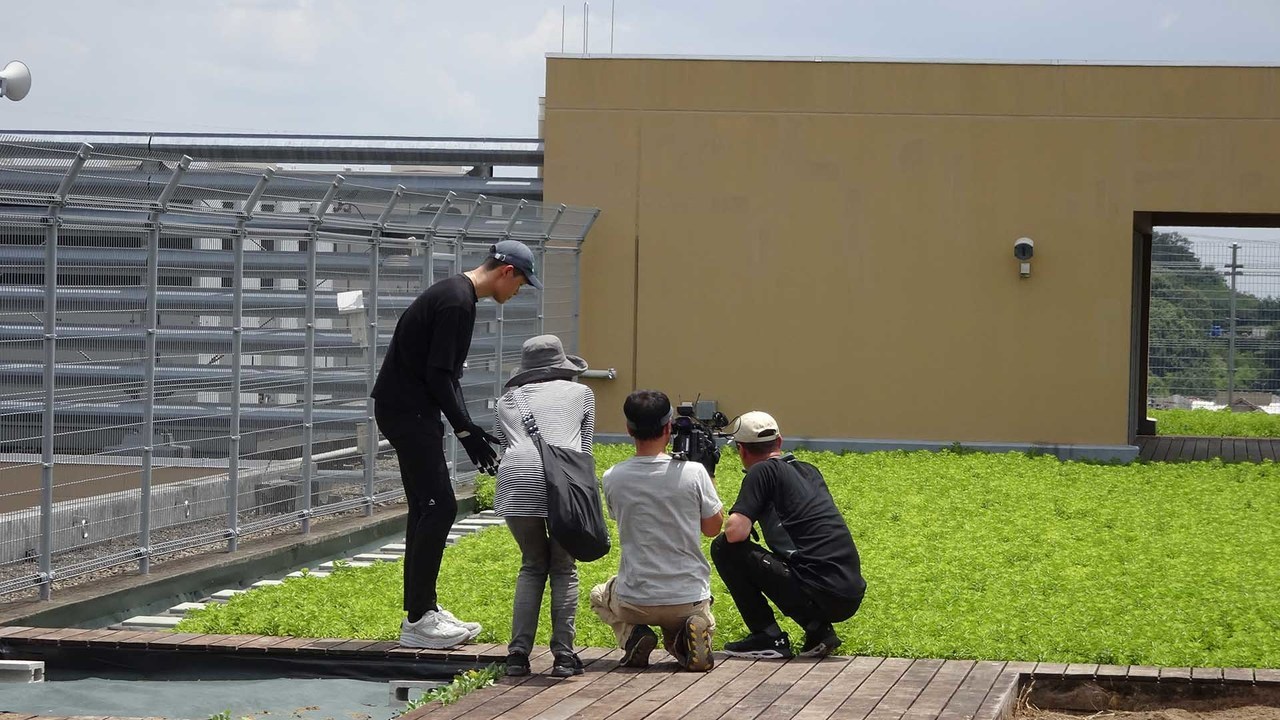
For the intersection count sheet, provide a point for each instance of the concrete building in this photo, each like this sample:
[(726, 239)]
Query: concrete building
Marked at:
[(833, 240)]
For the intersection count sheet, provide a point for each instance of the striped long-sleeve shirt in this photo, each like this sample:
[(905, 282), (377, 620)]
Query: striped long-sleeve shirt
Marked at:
[(565, 412)]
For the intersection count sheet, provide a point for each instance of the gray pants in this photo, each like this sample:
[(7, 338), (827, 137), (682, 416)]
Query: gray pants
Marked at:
[(541, 556)]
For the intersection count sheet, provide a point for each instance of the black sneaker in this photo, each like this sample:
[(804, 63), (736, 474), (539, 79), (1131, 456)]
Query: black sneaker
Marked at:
[(517, 664), (761, 646), (566, 665), (635, 654), (820, 643)]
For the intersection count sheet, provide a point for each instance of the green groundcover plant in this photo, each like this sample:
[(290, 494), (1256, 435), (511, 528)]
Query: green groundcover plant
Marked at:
[(967, 555), (463, 684), (1216, 423)]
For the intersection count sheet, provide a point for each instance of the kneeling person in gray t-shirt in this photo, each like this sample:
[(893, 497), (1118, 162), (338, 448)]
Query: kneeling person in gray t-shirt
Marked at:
[(661, 506)]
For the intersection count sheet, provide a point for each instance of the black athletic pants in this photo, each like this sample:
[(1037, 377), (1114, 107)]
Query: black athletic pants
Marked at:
[(752, 574), (419, 445)]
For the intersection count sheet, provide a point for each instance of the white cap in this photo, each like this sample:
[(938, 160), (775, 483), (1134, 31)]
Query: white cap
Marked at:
[(755, 427)]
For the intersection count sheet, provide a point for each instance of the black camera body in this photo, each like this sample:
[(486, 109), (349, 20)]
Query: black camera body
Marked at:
[(694, 439)]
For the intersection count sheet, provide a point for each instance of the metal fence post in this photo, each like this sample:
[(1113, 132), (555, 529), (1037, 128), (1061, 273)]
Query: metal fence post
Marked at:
[(577, 276), (459, 248), (309, 353), (498, 363), (1234, 271), (50, 379), (453, 438), (429, 237), (237, 358), (149, 367), (375, 263), (542, 252), (50, 367)]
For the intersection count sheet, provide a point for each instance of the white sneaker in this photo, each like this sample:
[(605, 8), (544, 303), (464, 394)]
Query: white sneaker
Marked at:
[(432, 631), (473, 628)]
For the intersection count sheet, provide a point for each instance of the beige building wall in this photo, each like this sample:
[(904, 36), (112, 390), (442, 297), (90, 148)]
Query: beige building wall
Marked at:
[(832, 241)]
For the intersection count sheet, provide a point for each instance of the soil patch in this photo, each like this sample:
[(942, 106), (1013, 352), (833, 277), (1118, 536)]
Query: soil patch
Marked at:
[(1248, 712), (1138, 700)]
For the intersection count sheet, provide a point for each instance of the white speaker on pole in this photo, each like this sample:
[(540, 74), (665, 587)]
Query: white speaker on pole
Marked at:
[(15, 81)]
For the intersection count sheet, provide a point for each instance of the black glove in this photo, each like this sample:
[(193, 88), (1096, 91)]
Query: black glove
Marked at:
[(477, 443)]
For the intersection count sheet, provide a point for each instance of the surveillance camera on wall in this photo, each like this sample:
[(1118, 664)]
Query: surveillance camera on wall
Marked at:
[(1023, 249), (15, 81)]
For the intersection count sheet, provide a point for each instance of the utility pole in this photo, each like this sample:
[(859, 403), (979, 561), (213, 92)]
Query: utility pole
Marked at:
[(1233, 269)]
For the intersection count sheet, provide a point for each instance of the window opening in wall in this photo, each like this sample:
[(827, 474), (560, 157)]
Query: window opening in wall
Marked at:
[(1213, 319)]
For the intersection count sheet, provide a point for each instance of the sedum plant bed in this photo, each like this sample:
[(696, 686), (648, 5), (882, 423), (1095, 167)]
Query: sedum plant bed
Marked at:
[(967, 555), (1216, 423)]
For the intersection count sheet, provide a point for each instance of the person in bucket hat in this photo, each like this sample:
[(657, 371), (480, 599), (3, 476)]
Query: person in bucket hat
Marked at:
[(565, 413), (419, 381)]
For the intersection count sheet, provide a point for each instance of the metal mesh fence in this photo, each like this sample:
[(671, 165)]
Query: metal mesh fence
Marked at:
[(1214, 331), (186, 360)]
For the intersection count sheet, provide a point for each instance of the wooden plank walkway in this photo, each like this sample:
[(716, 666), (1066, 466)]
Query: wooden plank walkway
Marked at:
[(852, 688), (1180, 448), (26, 716)]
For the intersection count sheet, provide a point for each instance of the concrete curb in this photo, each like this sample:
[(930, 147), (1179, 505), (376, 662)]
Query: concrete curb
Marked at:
[(111, 600)]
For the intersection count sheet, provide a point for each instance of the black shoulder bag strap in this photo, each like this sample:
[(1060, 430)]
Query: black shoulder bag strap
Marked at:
[(530, 425)]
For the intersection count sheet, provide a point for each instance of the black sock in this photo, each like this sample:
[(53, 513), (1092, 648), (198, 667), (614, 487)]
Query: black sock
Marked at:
[(818, 629), (773, 631)]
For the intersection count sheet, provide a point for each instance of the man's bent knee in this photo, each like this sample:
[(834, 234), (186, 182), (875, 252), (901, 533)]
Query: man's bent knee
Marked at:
[(600, 596)]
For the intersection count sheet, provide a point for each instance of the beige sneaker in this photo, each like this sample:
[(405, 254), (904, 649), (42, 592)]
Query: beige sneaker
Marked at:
[(697, 644)]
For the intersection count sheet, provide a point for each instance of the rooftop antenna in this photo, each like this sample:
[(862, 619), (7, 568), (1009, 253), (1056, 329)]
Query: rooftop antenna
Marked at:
[(562, 29), (613, 13), (586, 25)]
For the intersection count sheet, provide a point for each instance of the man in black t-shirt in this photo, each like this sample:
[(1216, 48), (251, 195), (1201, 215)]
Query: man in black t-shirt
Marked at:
[(418, 381), (811, 570)]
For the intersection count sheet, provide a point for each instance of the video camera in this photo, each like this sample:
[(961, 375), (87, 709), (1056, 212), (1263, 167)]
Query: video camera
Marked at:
[(695, 439)]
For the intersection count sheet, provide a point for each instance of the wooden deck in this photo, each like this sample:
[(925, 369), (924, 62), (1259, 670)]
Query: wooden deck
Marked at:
[(25, 716), (1180, 448), (855, 688)]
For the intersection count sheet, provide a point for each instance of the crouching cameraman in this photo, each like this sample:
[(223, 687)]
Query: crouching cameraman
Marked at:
[(662, 506), (811, 571)]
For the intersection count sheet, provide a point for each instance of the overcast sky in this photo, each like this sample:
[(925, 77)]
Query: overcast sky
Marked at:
[(477, 68)]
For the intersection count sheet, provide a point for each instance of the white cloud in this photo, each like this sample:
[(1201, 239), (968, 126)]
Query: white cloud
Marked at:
[(517, 47), (414, 67), (293, 33)]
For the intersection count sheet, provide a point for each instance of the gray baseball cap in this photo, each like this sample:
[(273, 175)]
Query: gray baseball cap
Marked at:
[(517, 255)]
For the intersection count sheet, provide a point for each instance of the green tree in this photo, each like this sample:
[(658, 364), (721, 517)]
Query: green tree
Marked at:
[(1188, 299)]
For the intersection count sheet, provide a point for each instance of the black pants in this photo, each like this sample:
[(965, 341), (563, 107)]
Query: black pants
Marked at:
[(419, 445), (752, 574)]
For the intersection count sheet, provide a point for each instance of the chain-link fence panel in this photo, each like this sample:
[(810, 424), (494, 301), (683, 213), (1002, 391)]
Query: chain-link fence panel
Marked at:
[(1214, 331), (189, 346)]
